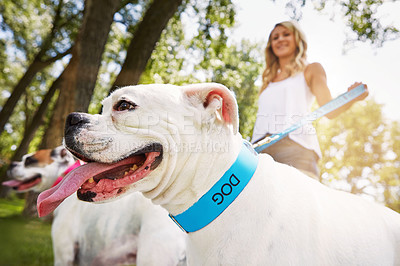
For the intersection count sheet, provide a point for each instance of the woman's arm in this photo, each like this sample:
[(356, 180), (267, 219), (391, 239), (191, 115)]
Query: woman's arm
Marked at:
[(316, 80)]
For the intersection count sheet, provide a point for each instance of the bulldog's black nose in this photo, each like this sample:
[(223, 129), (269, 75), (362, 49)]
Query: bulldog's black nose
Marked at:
[(76, 119)]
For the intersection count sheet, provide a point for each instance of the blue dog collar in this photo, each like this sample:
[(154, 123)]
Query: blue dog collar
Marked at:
[(222, 194)]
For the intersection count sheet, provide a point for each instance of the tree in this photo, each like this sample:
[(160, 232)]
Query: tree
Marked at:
[(238, 67), (389, 173), (144, 41), (79, 78), (361, 17), (42, 59), (360, 153)]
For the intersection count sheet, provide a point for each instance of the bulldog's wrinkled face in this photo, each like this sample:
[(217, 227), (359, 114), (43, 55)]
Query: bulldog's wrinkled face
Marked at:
[(143, 140), (38, 171), (126, 142)]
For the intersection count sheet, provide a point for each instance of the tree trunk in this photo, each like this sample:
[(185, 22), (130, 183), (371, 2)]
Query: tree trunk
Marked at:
[(30, 209), (92, 40), (64, 105), (144, 41), (77, 85)]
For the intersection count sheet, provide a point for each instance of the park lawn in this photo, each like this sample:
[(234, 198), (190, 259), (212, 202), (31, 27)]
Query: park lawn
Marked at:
[(23, 241)]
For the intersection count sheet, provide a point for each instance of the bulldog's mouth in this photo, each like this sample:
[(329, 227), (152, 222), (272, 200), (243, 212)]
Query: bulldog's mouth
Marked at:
[(96, 181), (105, 183), (24, 185)]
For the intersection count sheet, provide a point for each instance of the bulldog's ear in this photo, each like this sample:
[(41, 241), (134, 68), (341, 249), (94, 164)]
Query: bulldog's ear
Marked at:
[(215, 98)]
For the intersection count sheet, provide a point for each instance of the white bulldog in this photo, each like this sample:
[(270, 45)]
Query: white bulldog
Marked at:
[(130, 231), (125, 232), (180, 146)]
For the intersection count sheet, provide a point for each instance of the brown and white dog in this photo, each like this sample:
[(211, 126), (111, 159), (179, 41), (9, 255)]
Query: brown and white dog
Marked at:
[(175, 143), (40, 170), (105, 234)]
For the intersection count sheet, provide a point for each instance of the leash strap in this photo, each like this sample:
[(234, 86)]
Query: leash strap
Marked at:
[(222, 194), (323, 110)]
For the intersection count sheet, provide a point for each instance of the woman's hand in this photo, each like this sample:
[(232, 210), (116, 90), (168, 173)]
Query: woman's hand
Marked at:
[(363, 95)]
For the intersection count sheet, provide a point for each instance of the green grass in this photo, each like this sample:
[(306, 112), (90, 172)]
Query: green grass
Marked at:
[(10, 207), (23, 241)]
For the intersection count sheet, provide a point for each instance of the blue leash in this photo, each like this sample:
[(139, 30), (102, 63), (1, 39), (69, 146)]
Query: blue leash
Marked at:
[(323, 110)]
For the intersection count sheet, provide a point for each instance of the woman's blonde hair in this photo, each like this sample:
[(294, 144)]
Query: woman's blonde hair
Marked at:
[(272, 64)]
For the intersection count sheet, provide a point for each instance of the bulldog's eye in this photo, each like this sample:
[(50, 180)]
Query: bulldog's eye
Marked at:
[(124, 105)]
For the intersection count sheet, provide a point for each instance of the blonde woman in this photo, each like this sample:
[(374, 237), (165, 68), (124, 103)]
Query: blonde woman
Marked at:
[(289, 88)]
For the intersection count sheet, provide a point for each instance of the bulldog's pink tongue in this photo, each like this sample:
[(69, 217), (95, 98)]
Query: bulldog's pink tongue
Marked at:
[(97, 181), (49, 199)]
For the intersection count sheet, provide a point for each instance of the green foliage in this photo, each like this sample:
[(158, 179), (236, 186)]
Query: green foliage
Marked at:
[(238, 67), (27, 27), (364, 20), (30, 22), (213, 19), (361, 16), (359, 153), (169, 59), (11, 71), (390, 172)]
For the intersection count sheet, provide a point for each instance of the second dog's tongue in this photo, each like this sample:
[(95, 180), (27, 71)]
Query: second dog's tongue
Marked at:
[(11, 183), (49, 199)]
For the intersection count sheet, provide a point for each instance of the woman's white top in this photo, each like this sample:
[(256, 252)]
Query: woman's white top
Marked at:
[(282, 104)]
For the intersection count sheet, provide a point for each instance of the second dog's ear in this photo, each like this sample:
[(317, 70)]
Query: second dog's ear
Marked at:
[(60, 154), (215, 98), (63, 153)]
